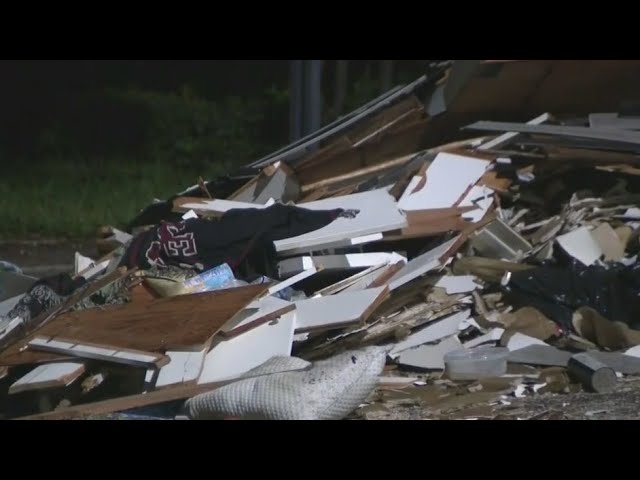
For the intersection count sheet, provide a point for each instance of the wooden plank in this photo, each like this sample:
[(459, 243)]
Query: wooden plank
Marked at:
[(175, 323), (230, 358), (339, 310), (614, 137), (211, 207), (378, 212), (508, 137), (105, 353), (422, 264), (183, 367), (53, 375), (293, 280)]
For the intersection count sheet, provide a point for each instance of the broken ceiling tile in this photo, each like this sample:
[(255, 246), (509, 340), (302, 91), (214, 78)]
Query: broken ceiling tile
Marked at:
[(454, 284), (429, 357), (581, 245), (519, 341), (493, 336)]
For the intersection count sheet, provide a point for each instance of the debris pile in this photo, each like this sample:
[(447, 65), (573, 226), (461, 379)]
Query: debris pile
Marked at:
[(352, 271)]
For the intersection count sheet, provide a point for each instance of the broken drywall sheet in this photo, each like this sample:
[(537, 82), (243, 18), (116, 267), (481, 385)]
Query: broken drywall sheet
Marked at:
[(82, 263), (499, 241), (378, 213), (540, 355), (429, 357), (293, 280), (492, 337), (293, 266), (217, 205), (480, 197), (48, 376), (422, 264), (447, 179), (609, 242), (183, 367), (519, 341), (235, 356), (341, 309), (454, 284), (433, 331), (581, 245)]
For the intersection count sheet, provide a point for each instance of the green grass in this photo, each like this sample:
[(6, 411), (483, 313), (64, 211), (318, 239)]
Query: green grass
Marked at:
[(65, 199)]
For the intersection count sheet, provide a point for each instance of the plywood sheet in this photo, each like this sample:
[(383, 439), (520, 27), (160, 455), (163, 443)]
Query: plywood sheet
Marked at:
[(182, 322)]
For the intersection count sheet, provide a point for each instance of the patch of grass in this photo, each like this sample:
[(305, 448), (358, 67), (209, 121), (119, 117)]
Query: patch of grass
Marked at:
[(71, 199)]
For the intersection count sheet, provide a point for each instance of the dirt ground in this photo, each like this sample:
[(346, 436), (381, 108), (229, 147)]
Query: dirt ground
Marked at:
[(437, 400)]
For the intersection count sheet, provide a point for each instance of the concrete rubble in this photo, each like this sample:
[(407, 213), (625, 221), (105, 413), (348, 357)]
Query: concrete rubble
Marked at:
[(411, 256)]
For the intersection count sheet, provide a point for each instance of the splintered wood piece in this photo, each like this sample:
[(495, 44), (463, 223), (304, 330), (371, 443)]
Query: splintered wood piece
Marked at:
[(182, 322), (592, 373), (65, 346), (52, 375)]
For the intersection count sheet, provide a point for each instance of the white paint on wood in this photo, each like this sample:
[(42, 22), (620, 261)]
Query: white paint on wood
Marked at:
[(183, 367), (95, 270), (420, 265), (378, 213), (437, 330), (292, 266), (334, 311), (293, 280), (581, 245), (7, 305), (366, 281), (447, 179), (49, 376), (413, 183), (454, 284), (235, 356), (430, 357), (345, 284), (110, 354)]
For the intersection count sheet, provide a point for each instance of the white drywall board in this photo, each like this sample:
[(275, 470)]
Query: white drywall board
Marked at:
[(420, 265), (7, 305), (256, 310), (293, 266), (454, 284), (429, 357), (292, 280), (49, 376), (447, 179), (581, 245), (378, 214), (344, 243), (218, 205), (413, 183), (371, 272), (365, 281), (479, 196), (183, 367), (235, 356), (189, 214), (433, 331), (334, 311), (520, 340)]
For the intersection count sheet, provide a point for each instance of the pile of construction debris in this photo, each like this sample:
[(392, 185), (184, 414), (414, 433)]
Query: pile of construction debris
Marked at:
[(505, 263)]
